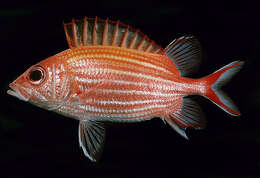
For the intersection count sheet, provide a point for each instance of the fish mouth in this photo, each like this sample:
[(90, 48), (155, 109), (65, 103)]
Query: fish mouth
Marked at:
[(16, 93)]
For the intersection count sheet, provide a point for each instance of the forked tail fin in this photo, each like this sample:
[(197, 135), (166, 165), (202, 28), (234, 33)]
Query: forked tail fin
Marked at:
[(216, 80)]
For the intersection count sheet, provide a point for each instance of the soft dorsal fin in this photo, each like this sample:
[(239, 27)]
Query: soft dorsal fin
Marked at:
[(96, 31), (185, 52)]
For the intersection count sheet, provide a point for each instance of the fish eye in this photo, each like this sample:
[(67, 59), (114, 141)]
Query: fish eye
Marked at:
[(36, 75)]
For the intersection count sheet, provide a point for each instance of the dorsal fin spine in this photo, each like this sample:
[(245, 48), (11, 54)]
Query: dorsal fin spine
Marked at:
[(115, 33), (96, 31), (148, 47), (74, 33), (133, 39), (158, 51), (85, 31), (124, 37), (105, 32), (67, 37), (141, 43)]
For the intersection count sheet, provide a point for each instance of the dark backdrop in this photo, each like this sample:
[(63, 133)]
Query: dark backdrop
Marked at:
[(38, 143)]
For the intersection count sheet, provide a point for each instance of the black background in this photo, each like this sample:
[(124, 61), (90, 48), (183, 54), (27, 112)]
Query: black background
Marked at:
[(38, 143)]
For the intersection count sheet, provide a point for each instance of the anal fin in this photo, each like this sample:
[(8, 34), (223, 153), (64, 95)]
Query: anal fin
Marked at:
[(189, 115)]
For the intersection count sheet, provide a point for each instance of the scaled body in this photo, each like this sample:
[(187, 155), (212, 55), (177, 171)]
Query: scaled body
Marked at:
[(113, 83)]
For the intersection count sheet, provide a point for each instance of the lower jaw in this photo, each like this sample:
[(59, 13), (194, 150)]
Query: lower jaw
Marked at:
[(17, 94)]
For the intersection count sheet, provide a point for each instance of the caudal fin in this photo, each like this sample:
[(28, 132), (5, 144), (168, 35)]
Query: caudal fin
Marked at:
[(219, 78)]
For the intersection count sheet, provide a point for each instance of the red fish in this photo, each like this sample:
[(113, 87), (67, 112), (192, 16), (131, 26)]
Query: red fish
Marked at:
[(112, 72)]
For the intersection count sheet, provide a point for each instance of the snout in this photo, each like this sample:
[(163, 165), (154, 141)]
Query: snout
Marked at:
[(12, 89), (18, 91)]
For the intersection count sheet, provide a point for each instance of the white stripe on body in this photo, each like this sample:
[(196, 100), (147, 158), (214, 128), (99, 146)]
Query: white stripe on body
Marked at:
[(75, 60), (135, 102), (101, 110), (107, 71), (83, 113), (140, 92), (124, 82), (84, 63)]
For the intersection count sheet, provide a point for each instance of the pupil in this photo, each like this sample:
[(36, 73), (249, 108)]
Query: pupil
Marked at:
[(35, 75)]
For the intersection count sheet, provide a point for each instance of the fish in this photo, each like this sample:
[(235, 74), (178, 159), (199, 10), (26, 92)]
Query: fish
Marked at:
[(112, 72)]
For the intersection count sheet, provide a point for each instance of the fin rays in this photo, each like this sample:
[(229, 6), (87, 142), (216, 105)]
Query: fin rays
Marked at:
[(189, 115), (91, 138), (185, 52), (96, 31)]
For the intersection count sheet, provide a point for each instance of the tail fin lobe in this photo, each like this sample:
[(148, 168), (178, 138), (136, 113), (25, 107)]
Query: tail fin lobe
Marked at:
[(217, 80)]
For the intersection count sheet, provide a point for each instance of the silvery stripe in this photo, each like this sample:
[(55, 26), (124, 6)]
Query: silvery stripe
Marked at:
[(140, 92), (96, 71), (124, 82), (96, 109)]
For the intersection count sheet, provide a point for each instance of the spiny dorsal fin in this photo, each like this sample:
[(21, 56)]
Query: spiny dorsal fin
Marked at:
[(96, 31)]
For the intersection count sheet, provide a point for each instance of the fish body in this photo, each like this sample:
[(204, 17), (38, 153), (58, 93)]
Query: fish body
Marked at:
[(116, 83), (115, 73)]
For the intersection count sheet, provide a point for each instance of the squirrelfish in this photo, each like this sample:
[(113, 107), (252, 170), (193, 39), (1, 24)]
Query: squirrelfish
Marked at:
[(114, 73)]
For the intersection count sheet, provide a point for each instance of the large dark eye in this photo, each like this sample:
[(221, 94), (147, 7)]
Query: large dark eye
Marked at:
[(37, 75)]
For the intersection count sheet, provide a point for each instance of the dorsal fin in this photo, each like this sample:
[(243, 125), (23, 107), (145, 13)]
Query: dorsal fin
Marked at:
[(96, 31), (185, 52)]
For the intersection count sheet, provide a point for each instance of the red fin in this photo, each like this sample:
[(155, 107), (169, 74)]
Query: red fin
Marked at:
[(189, 115), (96, 31), (216, 81), (185, 52)]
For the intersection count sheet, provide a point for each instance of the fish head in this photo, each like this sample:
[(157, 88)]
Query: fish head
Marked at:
[(45, 84)]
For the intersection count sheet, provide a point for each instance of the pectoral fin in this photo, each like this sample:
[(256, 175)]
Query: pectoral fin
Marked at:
[(92, 138)]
